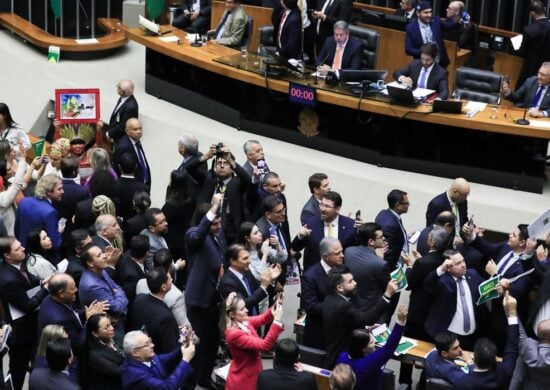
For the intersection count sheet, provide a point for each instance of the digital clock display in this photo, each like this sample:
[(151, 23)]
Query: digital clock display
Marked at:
[(298, 93)]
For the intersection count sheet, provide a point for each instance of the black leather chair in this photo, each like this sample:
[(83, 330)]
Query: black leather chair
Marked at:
[(248, 32), (266, 38), (373, 18), (438, 384), (478, 85), (312, 356), (370, 39)]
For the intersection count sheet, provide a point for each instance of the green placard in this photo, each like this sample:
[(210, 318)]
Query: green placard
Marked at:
[(53, 54), (38, 148), (488, 290), (401, 278)]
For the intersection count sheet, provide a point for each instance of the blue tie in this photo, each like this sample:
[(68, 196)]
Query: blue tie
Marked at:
[(281, 239), (464, 302), (249, 292), (142, 164), (218, 29), (422, 83), (537, 97)]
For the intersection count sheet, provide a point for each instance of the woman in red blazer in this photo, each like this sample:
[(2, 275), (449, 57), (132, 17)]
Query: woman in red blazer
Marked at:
[(244, 343)]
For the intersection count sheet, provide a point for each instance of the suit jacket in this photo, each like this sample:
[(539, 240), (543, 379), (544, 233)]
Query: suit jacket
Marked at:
[(124, 190), (285, 378), (117, 123), (205, 6), (204, 262), (127, 275), (72, 194), (37, 213), (245, 347), (314, 290), (437, 80), (337, 10), (533, 48), (437, 367), (441, 203), (526, 93), (370, 272), (13, 290), (153, 314), (125, 145), (53, 312), (134, 226), (291, 34), (178, 215), (46, 379), (339, 313), (414, 41), (498, 378), (400, 12), (352, 58), (346, 235), (102, 288), (191, 165), (310, 209), (444, 291), (104, 372), (394, 236), (75, 267), (138, 376), (230, 282), (83, 216), (235, 27)]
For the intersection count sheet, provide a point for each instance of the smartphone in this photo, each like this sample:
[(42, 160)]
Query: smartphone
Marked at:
[(507, 79), (414, 237), (471, 221), (358, 215)]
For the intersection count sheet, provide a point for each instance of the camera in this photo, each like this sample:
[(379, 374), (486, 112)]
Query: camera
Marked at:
[(219, 151)]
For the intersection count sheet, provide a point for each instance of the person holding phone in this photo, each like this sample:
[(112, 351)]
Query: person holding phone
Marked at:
[(243, 341)]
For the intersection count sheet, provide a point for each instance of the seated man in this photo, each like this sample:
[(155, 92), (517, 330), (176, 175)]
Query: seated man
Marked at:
[(287, 29), (425, 72), (232, 26), (340, 51), (533, 94), (195, 17), (56, 376), (440, 362), (142, 369)]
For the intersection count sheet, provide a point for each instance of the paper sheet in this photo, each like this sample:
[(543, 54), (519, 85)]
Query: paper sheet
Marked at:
[(545, 124), (88, 41), (169, 38), (540, 226), (223, 372), (475, 106), (15, 312), (516, 41)]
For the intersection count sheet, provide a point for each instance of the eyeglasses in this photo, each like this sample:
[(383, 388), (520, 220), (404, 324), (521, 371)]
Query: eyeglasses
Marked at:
[(147, 344), (326, 206), (281, 211)]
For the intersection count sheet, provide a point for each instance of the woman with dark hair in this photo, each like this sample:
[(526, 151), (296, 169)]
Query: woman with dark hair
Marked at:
[(11, 132), (134, 225), (38, 250), (104, 358)]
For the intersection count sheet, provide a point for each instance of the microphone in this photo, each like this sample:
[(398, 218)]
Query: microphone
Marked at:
[(523, 121), (198, 41), (316, 80)]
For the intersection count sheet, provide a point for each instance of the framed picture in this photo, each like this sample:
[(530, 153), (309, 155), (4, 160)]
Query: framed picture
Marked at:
[(77, 105)]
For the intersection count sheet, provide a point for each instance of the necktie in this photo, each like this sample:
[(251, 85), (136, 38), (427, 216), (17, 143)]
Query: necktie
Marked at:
[(283, 18), (117, 107), (503, 263), (337, 63), (281, 239), (406, 244), (24, 273), (536, 99), (422, 83), (249, 292), (330, 229), (142, 163), (454, 208), (222, 23), (464, 301)]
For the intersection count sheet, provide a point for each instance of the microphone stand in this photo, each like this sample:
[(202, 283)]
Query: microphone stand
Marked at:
[(523, 121)]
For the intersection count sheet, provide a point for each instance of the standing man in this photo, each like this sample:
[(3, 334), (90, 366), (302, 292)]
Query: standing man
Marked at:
[(254, 152), (127, 185), (325, 15), (195, 17), (455, 200), (131, 143), (534, 46), (131, 267), (15, 281), (232, 26), (206, 247), (188, 148), (126, 108), (534, 93), (156, 228), (318, 186), (287, 29), (340, 51)]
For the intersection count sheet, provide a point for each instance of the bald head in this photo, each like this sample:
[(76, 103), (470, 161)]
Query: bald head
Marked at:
[(543, 331), (62, 288), (459, 190), (125, 88)]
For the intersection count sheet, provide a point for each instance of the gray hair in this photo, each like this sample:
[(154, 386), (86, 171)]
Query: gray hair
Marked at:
[(127, 86), (190, 143), (46, 184), (101, 222), (341, 25), (130, 341), (326, 245), (99, 160), (440, 238), (248, 144)]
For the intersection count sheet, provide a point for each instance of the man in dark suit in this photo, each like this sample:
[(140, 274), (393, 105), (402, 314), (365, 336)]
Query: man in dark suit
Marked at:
[(534, 93), (170, 370), (206, 248), (534, 44), (426, 29), (284, 374), (440, 363), (392, 226), (425, 72), (339, 313), (149, 312), (127, 185), (56, 376), (188, 148), (126, 108), (341, 51), (15, 281), (325, 15), (318, 186), (195, 17), (287, 29), (455, 200), (454, 295), (407, 9), (329, 224), (130, 143), (107, 230), (75, 267), (255, 158), (131, 267), (315, 289)]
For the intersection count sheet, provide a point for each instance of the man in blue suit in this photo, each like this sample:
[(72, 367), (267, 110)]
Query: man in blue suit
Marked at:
[(319, 185), (206, 248), (455, 293), (425, 72), (287, 29), (440, 363), (426, 29), (340, 51), (534, 93), (329, 224), (144, 370)]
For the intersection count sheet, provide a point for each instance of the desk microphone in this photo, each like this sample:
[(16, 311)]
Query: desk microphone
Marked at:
[(523, 121), (198, 42), (316, 79)]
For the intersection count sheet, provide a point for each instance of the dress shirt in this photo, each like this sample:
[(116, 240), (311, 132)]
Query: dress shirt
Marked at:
[(426, 31), (325, 266), (406, 242), (428, 70), (542, 94), (334, 227), (323, 10), (222, 27), (457, 323), (120, 103)]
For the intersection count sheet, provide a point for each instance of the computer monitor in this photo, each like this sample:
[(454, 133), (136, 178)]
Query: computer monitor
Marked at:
[(350, 75), (395, 22)]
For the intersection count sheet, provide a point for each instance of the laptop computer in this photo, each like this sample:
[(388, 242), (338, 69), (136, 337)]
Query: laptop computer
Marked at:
[(450, 106), (402, 96)]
